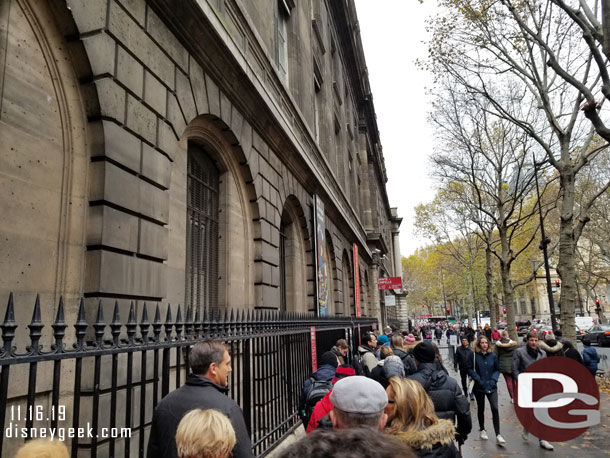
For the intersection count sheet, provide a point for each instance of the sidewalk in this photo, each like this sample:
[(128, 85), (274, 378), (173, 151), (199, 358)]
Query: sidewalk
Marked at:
[(594, 443)]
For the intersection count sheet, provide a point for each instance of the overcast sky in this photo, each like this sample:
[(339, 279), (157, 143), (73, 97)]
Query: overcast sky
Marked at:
[(392, 34)]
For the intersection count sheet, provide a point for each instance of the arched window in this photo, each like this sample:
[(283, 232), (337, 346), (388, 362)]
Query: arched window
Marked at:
[(293, 281), (348, 297), (202, 229)]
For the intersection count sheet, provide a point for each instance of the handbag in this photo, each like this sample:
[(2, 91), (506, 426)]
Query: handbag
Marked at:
[(471, 380)]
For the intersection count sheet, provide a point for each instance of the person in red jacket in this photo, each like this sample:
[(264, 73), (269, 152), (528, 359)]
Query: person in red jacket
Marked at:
[(324, 405)]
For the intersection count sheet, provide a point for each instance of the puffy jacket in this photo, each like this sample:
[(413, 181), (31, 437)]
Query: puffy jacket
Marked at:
[(197, 393), (463, 357), (324, 374), (504, 350), (590, 358), (485, 372), (446, 396), (438, 332), (522, 359), (436, 441), (321, 409), (407, 361), (368, 356), (552, 348)]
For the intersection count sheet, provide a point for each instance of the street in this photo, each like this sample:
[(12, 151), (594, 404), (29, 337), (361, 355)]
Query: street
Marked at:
[(594, 443)]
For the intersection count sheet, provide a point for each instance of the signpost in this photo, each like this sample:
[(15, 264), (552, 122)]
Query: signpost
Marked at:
[(389, 283)]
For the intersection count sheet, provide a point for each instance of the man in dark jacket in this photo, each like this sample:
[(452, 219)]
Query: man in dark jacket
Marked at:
[(522, 358), (463, 359), (444, 391), (205, 388)]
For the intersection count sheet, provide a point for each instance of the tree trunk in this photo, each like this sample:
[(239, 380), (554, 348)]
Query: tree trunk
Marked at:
[(566, 267), (507, 289), (489, 289)]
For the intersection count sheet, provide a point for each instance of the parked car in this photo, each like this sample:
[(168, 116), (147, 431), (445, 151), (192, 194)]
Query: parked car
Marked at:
[(542, 329), (501, 325), (580, 333), (599, 334), (522, 326)]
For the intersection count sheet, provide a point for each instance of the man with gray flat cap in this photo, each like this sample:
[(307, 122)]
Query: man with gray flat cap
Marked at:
[(358, 402)]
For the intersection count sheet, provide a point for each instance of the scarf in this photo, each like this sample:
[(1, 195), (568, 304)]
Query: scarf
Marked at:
[(532, 353)]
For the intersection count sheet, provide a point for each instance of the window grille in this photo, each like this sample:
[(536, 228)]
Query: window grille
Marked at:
[(202, 229)]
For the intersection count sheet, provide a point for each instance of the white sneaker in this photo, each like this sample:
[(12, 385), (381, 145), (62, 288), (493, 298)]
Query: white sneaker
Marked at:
[(511, 401), (484, 435), (500, 440), (525, 435), (545, 445)]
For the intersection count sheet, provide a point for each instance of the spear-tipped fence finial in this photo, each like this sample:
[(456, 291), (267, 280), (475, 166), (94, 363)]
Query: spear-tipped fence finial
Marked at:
[(99, 326), (115, 326), (169, 324), (59, 328), (144, 325), (131, 325), (35, 329), (81, 327), (157, 325)]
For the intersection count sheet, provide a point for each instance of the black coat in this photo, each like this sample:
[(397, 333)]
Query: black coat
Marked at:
[(463, 357), (197, 393), (446, 395), (407, 361)]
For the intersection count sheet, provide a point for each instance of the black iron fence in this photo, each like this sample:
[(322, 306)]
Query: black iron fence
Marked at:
[(106, 380)]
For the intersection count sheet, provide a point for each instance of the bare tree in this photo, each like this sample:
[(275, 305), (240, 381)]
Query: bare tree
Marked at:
[(505, 53), (488, 156)]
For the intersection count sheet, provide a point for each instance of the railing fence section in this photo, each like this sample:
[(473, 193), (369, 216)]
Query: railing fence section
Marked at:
[(109, 379)]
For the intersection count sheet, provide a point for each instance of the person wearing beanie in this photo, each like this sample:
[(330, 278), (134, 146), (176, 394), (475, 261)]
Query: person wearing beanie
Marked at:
[(383, 341), (590, 358), (327, 367), (444, 391), (551, 345), (409, 341), (319, 417), (463, 358)]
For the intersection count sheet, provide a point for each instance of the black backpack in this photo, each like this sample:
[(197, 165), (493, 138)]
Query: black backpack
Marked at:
[(317, 390), (359, 367)]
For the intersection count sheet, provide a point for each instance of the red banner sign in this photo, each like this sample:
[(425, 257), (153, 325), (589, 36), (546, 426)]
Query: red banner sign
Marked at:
[(357, 281), (314, 354), (389, 283)]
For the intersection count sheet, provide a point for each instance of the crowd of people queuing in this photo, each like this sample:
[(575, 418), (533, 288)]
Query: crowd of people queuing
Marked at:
[(393, 397)]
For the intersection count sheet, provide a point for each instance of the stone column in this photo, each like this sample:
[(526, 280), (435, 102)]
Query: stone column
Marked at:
[(375, 308)]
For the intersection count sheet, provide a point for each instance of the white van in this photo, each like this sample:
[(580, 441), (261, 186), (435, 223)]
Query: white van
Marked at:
[(584, 322)]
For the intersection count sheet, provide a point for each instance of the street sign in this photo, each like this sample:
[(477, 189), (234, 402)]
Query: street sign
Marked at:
[(389, 283), (390, 300)]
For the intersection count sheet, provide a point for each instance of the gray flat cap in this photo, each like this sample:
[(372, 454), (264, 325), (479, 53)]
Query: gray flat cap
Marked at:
[(358, 394)]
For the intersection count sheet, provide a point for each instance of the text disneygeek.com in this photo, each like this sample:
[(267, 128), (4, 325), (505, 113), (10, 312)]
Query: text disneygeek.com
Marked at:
[(16, 431)]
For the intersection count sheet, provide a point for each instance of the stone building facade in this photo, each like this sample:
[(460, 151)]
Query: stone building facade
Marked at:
[(170, 151)]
